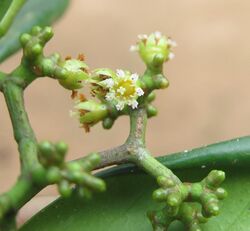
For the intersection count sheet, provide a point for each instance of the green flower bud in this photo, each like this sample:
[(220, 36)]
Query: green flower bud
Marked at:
[(53, 175), (76, 72), (64, 188), (91, 112), (74, 166), (160, 195), (151, 111), (101, 74), (154, 49), (50, 154), (151, 97), (107, 123), (215, 178), (174, 199), (61, 148)]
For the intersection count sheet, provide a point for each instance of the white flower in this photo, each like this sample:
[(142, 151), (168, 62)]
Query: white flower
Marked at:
[(171, 55), (108, 82), (121, 90), (110, 96), (158, 34), (133, 48), (120, 73), (139, 91), (171, 42), (124, 89), (142, 36), (133, 104), (134, 77), (119, 106)]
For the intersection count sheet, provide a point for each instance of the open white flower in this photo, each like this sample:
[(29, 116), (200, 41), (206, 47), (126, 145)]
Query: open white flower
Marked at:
[(123, 89)]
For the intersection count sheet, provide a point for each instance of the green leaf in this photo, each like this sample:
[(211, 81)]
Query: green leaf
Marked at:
[(8, 11), (4, 5), (34, 12), (129, 192)]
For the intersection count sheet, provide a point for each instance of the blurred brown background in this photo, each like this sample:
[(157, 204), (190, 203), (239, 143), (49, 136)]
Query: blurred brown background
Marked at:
[(208, 97)]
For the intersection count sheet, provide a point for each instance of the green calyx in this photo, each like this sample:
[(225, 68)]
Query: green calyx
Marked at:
[(91, 112), (76, 71)]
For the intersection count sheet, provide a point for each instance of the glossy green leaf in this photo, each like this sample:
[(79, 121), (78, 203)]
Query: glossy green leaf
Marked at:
[(124, 205), (4, 5), (8, 12), (34, 12)]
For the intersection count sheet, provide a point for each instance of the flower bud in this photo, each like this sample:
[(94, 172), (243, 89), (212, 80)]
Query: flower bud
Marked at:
[(76, 72), (155, 49), (91, 112)]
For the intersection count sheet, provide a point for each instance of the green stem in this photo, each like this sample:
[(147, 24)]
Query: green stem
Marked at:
[(14, 199), (23, 132), (8, 18), (138, 122), (153, 166), (136, 146)]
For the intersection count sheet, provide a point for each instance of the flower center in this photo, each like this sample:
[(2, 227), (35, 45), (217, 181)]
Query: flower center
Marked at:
[(125, 88)]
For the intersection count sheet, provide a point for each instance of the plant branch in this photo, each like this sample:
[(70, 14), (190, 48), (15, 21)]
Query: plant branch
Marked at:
[(114, 156), (23, 132), (138, 122)]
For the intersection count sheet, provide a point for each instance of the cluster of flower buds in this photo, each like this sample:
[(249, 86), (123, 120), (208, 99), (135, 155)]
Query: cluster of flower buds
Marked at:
[(207, 192), (70, 72), (66, 175)]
